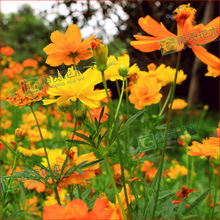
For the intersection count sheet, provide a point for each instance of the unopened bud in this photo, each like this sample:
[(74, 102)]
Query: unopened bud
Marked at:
[(20, 134), (123, 70), (100, 54), (63, 106), (80, 115)]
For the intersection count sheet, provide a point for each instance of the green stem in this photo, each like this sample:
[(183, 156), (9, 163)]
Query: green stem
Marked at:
[(15, 161), (90, 114), (31, 107), (166, 102), (65, 162), (57, 195), (65, 118), (114, 186), (55, 188), (187, 167), (216, 190), (78, 189), (128, 130), (165, 141), (192, 172), (118, 142), (118, 88), (120, 99)]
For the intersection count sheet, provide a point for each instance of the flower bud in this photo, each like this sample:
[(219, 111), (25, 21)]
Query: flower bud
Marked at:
[(20, 134), (80, 115), (63, 106), (123, 70), (100, 54)]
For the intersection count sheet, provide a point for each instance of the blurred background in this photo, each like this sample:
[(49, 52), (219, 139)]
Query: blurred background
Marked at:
[(26, 26)]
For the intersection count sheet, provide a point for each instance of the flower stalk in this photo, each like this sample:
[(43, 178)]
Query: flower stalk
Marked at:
[(165, 141), (118, 142)]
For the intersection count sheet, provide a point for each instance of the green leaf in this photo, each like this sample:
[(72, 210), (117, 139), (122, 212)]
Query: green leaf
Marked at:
[(83, 166), (15, 214), (101, 114), (133, 188), (167, 209), (86, 194), (84, 137), (196, 202), (130, 120), (165, 194), (91, 204), (181, 208), (149, 210), (78, 142)]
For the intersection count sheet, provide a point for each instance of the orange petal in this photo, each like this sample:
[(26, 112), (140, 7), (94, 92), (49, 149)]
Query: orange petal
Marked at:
[(206, 57), (146, 46), (74, 35), (150, 26)]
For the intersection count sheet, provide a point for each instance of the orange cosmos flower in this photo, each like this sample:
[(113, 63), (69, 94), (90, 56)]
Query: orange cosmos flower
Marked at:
[(182, 194), (68, 47), (185, 17), (31, 206), (206, 149), (179, 104), (77, 209), (74, 160), (39, 185), (145, 92), (8, 51), (30, 63), (21, 99)]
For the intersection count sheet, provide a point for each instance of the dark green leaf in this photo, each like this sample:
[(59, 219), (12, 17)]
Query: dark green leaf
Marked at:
[(196, 202), (86, 194), (79, 142), (15, 214), (101, 114), (131, 120), (181, 208)]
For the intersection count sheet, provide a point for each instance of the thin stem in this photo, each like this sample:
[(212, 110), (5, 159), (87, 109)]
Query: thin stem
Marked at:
[(187, 167), (192, 172), (118, 142), (118, 88), (90, 114), (65, 162), (31, 107), (55, 188), (114, 186), (120, 99), (57, 195), (165, 141), (216, 190), (15, 161), (78, 189), (166, 102), (128, 130), (65, 118)]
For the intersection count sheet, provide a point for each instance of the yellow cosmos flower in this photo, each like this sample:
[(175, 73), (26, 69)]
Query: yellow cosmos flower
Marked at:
[(163, 74), (176, 170), (112, 72), (34, 135), (27, 152), (76, 86), (29, 118), (179, 104), (167, 76)]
